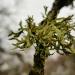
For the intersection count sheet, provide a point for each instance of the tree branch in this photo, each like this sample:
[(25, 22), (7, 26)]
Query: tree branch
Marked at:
[(57, 6)]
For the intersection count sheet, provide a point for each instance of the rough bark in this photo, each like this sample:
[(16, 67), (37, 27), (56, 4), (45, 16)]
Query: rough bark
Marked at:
[(39, 61), (57, 6)]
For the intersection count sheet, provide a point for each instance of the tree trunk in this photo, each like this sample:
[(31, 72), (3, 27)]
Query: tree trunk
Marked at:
[(39, 61)]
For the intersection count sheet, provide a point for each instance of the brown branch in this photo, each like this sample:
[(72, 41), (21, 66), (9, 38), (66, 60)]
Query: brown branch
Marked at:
[(57, 6)]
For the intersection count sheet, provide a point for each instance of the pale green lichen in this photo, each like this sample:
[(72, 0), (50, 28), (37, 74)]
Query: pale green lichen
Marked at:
[(50, 34)]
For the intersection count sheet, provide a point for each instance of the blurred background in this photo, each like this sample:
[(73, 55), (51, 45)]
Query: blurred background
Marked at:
[(16, 62)]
